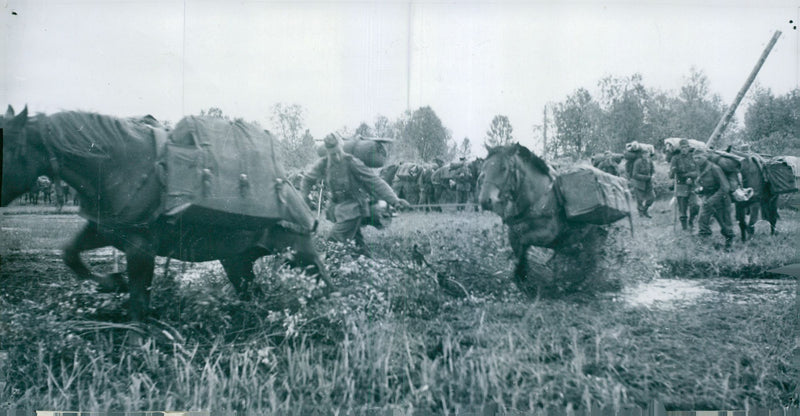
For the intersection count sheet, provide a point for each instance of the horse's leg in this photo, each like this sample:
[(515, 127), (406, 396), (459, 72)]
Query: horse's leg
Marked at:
[(88, 239), (240, 273), (755, 211), (769, 211), (529, 287), (741, 218), (141, 258)]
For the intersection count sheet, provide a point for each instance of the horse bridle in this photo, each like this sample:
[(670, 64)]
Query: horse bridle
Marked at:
[(510, 182)]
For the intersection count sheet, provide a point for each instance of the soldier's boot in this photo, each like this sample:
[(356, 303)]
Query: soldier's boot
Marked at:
[(684, 225), (728, 242)]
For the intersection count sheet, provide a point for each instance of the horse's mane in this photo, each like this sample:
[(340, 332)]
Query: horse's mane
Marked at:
[(84, 134), (526, 155)]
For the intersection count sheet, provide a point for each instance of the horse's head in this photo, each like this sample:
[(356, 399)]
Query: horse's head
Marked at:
[(509, 172), (23, 162)]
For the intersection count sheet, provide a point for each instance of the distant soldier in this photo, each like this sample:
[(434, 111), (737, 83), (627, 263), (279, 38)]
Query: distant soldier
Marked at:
[(685, 172), (351, 183), (642, 179), (425, 183), (715, 191), (607, 163), (463, 179), (439, 183), (405, 182)]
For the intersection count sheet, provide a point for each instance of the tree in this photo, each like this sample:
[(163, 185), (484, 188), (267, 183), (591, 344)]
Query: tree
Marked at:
[(364, 130), (464, 149), (295, 140), (214, 112), (696, 111), (500, 132), (622, 100), (577, 126), (423, 133), (772, 124)]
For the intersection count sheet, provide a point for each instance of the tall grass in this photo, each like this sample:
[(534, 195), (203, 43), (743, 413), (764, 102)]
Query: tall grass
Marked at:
[(391, 338)]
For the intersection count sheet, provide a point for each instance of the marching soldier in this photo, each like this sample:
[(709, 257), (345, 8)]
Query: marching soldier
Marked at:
[(715, 191), (351, 183), (463, 179), (642, 178), (685, 172)]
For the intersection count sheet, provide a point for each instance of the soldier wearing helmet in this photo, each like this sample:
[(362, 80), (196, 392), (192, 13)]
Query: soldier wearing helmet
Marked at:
[(351, 184), (684, 171)]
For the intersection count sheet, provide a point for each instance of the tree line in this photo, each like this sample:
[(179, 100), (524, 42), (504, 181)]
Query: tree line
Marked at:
[(625, 110), (620, 110)]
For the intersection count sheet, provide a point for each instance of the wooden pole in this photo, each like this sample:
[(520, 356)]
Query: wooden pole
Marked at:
[(726, 118)]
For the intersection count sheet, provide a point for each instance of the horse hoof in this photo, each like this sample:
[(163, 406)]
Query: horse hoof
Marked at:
[(112, 283)]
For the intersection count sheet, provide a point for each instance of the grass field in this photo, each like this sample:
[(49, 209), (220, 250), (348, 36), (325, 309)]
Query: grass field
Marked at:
[(392, 338)]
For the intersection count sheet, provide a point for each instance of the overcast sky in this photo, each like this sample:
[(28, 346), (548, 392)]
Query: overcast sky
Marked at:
[(346, 62)]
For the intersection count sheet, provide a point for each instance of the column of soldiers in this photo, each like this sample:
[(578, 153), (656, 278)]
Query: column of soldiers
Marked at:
[(353, 189), (702, 190)]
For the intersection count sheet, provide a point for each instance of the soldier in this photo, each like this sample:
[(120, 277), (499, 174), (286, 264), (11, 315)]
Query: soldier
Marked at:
[(642, 179), (685, 172), (405, 182), (607, 163), (425, 183), (463, 179), (715, 191), (351, 183)]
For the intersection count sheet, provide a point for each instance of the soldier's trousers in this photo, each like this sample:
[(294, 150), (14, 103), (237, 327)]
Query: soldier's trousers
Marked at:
[(688, 208), (463, 198), (426, 197), (344, 231), (644, 198), (718, 206)]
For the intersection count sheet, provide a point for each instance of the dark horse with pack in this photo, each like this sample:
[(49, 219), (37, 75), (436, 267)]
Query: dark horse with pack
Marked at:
[(117, 168), (563, 211)]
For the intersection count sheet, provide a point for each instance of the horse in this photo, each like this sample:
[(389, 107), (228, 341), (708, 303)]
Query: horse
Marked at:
[(763, 199), (520, 187), (111, 164)]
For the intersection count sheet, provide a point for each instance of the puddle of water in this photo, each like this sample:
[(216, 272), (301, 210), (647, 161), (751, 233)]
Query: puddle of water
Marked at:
[(664, 293), (673, 293)]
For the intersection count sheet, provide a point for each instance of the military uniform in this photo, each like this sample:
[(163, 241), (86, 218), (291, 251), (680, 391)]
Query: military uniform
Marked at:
[(426, 186), (642, 179), (685, 172), (715, 191), (351, 183), (405, 182), (607, 164), (463, 179)]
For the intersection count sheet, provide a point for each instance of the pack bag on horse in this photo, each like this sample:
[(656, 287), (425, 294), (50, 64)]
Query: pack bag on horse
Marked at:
[(217, 195), (566, 213), (764, 179)]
